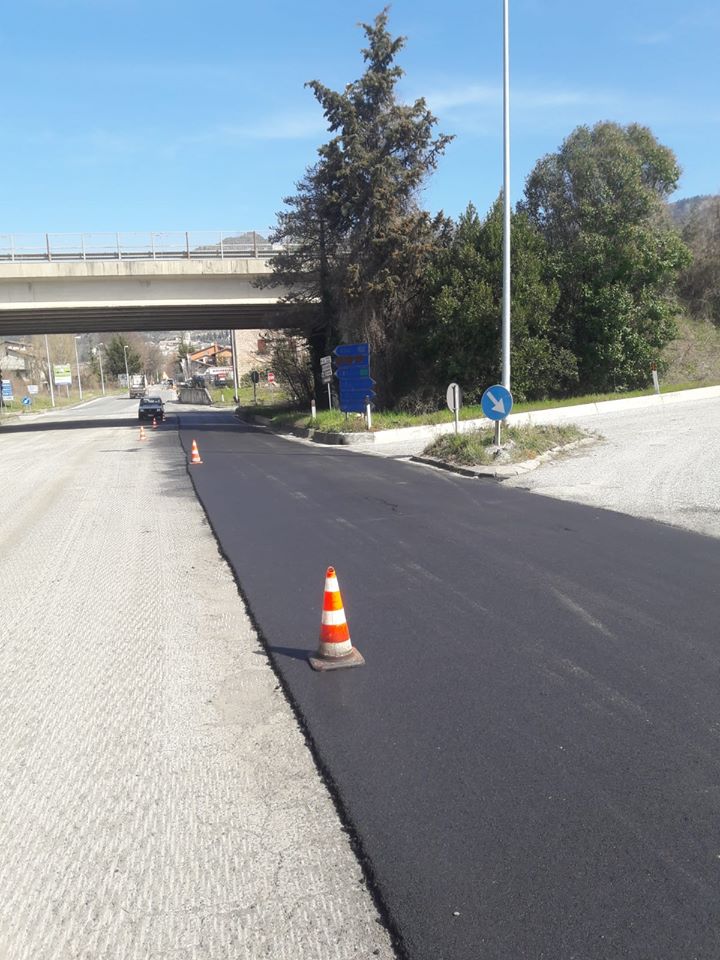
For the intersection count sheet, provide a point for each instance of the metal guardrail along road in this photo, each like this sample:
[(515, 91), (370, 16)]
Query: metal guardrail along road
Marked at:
[(180, 245)]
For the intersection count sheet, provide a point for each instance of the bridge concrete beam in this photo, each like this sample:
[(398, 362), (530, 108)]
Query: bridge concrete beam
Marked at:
[(246, 267), (105, 296)]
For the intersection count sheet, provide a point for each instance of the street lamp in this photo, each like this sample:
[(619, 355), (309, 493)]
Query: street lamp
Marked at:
[(77, 362), (127, 373), (99, 350), (50, 371), (506, 200), (236, 373)]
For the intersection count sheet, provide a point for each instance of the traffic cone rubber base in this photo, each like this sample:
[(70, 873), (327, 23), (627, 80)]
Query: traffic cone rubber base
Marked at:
[(352, 659)]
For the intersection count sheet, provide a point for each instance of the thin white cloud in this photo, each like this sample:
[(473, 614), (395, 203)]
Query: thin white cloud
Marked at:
[(472, 95), (469, 95), (297, 127), (93, 145), (655, 39)]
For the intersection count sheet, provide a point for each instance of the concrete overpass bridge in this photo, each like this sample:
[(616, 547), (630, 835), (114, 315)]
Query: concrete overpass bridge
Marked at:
[(83, 283)]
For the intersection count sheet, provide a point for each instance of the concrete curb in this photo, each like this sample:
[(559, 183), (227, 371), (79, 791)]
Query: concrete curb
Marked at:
[(552, 415), (490, 472)]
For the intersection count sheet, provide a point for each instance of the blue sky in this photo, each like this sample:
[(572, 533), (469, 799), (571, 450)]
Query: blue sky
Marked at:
[(169, 115)]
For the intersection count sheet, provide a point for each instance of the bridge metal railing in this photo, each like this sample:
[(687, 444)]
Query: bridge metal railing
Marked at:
[(179, 245)]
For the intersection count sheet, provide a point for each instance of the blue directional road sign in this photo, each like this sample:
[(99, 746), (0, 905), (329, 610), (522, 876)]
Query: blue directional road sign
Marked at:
[(7, 390), (352, 361), (26, 401), (496, 402)]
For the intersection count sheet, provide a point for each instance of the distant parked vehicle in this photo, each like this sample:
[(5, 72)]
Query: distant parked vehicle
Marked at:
[(151, 408)]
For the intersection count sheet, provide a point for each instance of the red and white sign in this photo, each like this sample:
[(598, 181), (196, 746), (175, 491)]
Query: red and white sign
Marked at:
[(271, 377)]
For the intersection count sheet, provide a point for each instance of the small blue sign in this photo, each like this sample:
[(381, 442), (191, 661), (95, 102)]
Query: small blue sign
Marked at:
[(7, 390), (496, 402), (352, 350), (26, 401)]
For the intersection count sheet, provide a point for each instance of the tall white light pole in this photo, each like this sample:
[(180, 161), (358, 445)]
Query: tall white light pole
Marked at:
[(50, 371), (506, 201), (236, 373), (127, 374), (99, 355), (77, 362)]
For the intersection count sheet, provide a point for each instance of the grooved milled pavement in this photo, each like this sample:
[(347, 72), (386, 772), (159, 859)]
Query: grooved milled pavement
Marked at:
[(158, 800), (530, 757)]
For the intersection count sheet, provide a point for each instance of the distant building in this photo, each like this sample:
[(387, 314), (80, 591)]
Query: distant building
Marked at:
[(12, 359), (212, 356)]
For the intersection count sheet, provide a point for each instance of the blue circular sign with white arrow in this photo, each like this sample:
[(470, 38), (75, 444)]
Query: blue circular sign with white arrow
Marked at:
[(496, 402)]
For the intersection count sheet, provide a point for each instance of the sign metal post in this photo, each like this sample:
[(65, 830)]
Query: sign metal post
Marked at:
[(453, 398), (326, 375), (656, 382), (496, 404)]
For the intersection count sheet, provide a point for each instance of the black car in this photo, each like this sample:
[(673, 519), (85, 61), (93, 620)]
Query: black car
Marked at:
[(151, 408)]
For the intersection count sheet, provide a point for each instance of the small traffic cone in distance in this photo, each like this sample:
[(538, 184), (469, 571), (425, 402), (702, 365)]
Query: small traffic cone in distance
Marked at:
[(336, 649), (154, 424), (195, 453), (142, 432)]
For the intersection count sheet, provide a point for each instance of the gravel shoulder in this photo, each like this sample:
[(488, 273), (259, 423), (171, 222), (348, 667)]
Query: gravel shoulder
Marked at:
[(661, 463), (158, 796)]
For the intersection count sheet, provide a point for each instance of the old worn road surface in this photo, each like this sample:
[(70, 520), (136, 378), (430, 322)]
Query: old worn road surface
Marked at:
[(530, 758), (157, 799)]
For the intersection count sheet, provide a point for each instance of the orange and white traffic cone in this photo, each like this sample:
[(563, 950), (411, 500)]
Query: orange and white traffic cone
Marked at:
[(154, 424), (336, 649), (142, 432), (195, 453)]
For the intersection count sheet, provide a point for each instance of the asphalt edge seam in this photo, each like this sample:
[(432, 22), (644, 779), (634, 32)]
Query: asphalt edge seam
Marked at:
[(347, 826)]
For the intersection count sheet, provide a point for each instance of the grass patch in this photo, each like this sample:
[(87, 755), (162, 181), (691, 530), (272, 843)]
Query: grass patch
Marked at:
[(42, 402), (476, 448), (695, 353), (284, 415)]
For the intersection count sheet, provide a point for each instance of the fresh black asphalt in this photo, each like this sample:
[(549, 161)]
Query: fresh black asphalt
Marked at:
[(530, 757)]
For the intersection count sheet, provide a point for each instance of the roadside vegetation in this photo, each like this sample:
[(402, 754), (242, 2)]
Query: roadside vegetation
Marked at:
[(604, 281), (334, 421), (477, 447), (41, 403)]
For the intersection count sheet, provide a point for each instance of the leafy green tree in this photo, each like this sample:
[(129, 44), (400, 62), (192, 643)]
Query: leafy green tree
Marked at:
[(115, 357), (359, 243), (461, 339), (599, 204)]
